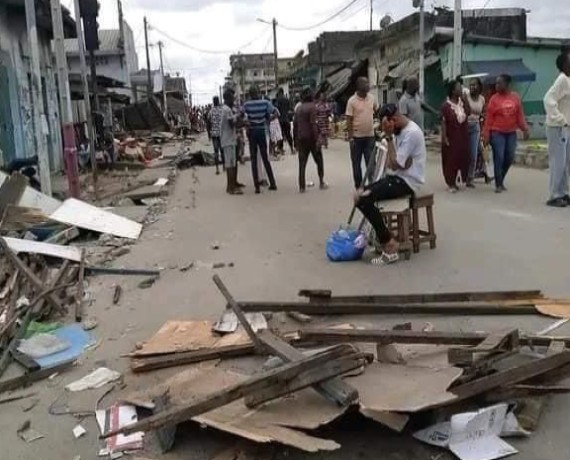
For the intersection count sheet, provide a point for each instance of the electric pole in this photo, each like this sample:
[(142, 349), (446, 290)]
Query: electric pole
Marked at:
[(40, 121), (148, 76), (164, 103), (70, 149), (275, 60), (422, 50), (371, 12), (457, 40), (86, 98)]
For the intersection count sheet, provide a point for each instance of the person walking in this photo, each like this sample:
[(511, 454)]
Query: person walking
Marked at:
[(228, 142), (476, 102), (455, 156), (257, 112), (557, 106), (306, 129), (505, 115), (283, 104), (360, 111), (215, 119), (410, 104), (323, 109)]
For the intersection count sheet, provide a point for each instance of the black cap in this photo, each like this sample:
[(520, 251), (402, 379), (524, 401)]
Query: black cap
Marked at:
[(388, 110)]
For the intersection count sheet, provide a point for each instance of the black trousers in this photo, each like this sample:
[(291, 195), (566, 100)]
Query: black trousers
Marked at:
[(387, 188), (307, 148), (286, 131), (258, 145)]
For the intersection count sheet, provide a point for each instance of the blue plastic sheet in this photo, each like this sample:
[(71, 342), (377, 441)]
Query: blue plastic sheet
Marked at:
[(345, 245), (79, 340)]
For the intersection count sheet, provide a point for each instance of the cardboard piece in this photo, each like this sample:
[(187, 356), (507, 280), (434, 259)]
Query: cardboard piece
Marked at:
[(83, 215), (556, 310), (180, 336), (53, 250), (471, 435), (96, 379)]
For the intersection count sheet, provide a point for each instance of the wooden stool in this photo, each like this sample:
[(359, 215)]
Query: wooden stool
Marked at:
[(397, 215), (418, 235)]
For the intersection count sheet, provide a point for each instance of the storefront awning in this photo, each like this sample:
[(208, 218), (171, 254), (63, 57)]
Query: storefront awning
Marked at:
[(492, 69)]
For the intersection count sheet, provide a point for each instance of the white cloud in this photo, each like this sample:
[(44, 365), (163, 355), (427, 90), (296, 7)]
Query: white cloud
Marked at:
[(225, 25)]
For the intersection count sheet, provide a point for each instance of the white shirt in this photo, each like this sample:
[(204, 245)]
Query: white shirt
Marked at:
[(557, 102), (410, 143)]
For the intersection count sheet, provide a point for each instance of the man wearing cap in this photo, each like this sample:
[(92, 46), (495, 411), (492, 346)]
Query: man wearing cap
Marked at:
[(406, 161)]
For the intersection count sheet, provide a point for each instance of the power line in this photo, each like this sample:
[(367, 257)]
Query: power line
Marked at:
[(330, 18), (205, 51)]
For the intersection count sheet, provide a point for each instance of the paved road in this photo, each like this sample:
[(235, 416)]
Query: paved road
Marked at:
[(277, 242)]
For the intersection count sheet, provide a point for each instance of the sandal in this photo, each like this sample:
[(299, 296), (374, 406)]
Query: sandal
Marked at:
[(386, 259)]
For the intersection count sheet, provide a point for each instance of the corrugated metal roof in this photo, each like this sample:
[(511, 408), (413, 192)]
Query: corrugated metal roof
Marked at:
[(109, 40)]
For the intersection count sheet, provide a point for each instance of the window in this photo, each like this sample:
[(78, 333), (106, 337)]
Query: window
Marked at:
[(255, 73)]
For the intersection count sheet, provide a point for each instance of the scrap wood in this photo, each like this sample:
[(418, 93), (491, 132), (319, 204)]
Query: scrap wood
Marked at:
[(121, 271), (411, 337), (482, 296), (64, 236), (80, 289), (18, 245), (494, 344), (12, 190), (354, 308), (232, 393), (57, 280), (117, 294), (334, 389), (17, 218)]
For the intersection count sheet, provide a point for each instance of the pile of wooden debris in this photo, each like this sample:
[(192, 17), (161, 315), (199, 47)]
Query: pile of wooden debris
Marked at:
[(403, 377)]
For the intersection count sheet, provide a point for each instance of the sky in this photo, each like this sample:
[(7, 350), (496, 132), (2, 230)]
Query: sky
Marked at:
[(199, 35)]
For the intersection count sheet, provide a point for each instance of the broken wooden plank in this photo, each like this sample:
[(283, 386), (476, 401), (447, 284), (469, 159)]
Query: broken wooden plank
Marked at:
[(411, 337), (28, 378), (237, 310), (511, 376), (308, 378), (92, 270), (19, 245), (232, 393), (17, 218), (30, 275), (300, 317), (482, 296), (335, 389), (493, 344), (334, 308), (117, 294), (80, 289), (12, 190), (59, 277), (63, 237)]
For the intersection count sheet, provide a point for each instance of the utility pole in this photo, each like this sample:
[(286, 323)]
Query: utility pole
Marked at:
[(457, 40), (422, 49), (164, 103), (275, 60), (148, 76), (371, 12), (86, 98), (70, 148), (40, 121)]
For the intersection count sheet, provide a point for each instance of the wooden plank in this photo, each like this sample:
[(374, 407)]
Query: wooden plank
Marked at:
[(59, 277), (237, 310), (17, 218), (493, 344), (306, 379), (511, 376), (25, 270), (232, 393), (334, 308), (335, 390), (12, 190), (37, 247), (382, 336), (63, 237), (23, 380), (80, 289), (482, 296)]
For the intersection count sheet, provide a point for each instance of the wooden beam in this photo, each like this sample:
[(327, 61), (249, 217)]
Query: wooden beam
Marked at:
[(335, 390), (511, 376), (308, 378), (63, 237), (59, 277), (482, 296), (12, 190), (23, 380), (334, 308), (411, 337), (232, 393), (80, 289), (494, 344)]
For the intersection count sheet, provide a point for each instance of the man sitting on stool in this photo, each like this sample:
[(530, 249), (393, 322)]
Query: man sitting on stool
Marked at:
[(406, 161)]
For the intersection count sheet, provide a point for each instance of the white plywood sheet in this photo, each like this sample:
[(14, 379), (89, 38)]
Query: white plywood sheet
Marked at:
[(47, 249), (83, 215), (34, 199)]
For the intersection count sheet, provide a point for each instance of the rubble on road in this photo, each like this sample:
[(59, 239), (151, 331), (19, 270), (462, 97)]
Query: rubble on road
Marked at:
[(438, 386)]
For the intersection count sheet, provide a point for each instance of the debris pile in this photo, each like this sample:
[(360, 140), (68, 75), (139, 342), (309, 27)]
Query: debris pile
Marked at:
[(458, 390)]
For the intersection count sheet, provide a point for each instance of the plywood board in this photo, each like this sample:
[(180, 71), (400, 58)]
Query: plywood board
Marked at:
[(34, 199), (83, 215), (180, 336), (47, 249), (556, 310)]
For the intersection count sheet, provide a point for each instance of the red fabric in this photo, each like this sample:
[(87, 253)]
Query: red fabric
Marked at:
[(455, 156), (505, 114)]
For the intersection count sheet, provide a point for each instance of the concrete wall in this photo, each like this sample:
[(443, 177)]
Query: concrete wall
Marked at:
[(14, 47)]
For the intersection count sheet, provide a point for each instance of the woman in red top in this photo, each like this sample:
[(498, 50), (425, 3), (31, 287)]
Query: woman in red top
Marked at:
[(505, 115)]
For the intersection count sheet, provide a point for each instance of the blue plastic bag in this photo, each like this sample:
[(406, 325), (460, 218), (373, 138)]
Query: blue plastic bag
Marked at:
[(346, 245)]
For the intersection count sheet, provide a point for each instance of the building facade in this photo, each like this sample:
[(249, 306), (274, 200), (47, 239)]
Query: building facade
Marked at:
[(252, 69), (17, 128)]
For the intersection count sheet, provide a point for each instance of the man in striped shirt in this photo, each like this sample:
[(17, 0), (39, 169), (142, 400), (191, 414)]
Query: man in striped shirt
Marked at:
[(257, 112)]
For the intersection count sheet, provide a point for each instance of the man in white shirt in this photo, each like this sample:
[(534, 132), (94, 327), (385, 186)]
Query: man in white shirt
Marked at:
[(406, 160), (557, 106)]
